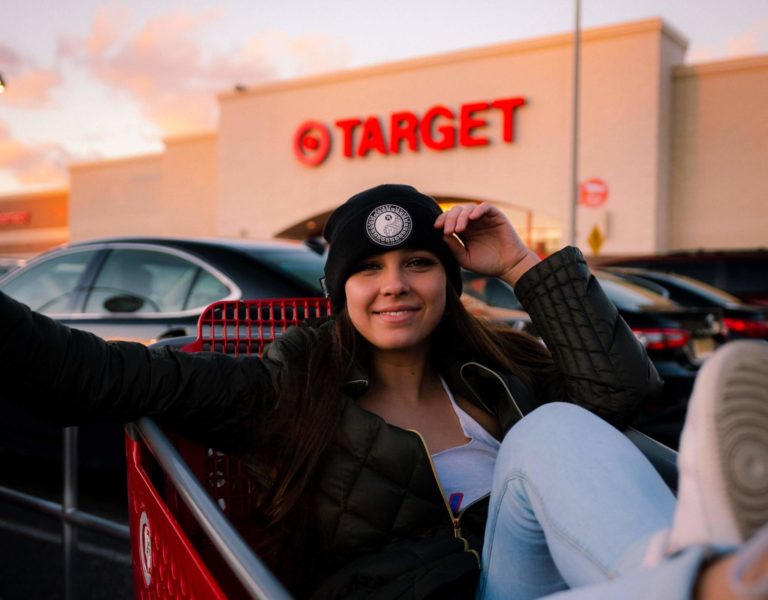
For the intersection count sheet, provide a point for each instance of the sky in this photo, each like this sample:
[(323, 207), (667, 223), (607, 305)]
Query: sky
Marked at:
[(89, 79)]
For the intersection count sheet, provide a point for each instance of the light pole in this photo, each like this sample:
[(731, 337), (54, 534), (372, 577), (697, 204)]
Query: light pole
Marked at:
[(575, 130)]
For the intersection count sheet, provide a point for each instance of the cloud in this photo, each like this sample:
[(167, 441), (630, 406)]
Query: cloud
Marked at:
[(27, 85), (165, 68), (127, 80), (32, 164), (295, 56), (748, 42), (10, 59), (699, 54)]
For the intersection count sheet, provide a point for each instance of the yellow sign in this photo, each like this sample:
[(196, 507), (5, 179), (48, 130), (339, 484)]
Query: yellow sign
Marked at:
[(596, 239)]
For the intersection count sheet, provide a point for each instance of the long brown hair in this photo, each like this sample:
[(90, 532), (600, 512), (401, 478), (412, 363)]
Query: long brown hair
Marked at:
[(462, 337), (287, 458)]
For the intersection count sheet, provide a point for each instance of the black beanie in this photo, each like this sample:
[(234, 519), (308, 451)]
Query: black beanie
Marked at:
[(383, 218)]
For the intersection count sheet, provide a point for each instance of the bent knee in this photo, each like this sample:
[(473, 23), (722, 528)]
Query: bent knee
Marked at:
[(555, 424)]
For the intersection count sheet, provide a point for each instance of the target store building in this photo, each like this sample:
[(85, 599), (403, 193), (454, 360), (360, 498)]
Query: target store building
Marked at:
[(670, 156)]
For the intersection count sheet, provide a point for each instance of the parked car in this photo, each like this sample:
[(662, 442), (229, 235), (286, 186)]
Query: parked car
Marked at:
[(146, 289), (676, 338), (741, 320), (743, 273), (479, 300), (673, 334), (142, 289), (10, 264)]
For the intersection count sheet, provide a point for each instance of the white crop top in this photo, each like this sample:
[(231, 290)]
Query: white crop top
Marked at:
[(466, 471)]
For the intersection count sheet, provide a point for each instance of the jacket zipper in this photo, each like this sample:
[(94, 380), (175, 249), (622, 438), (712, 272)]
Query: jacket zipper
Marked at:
[(455, 519)]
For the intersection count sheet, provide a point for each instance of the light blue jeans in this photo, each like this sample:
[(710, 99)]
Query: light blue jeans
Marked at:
[(574, 503)]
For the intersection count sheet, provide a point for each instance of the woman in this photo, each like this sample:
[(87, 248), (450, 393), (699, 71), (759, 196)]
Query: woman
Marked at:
[(376, 436)]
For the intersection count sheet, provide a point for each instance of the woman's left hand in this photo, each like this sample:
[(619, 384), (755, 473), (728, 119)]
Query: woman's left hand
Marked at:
[(489, 244)]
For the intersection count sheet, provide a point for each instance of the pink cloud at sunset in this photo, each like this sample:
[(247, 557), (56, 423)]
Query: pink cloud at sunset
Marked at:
[(39, 164), (749, 41), (146, 78), (32, 86), (162, 66), (744, 43)]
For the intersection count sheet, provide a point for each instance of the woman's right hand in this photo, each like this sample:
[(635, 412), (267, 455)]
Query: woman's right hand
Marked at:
[(489, 243)]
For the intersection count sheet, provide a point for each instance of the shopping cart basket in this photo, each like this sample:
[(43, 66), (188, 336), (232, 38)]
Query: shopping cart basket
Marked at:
[(178, 552)]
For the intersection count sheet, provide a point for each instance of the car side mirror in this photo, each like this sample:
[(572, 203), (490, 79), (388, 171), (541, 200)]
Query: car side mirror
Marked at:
[(123, 303)]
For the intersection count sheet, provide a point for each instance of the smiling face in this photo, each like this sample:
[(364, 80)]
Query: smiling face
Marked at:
[(396, 299)]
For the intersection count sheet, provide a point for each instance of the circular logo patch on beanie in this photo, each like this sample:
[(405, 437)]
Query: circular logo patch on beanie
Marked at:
[(389, 225)]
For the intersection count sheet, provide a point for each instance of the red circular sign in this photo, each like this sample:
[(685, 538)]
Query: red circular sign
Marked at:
[(312, 143), (593, 192)]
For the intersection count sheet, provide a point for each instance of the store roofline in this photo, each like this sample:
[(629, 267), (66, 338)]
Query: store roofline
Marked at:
[(191, 137), (109, 162), (35, 192), (727, 65), (413, 64)]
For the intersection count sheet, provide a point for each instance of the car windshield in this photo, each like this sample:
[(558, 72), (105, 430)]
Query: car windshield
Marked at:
[(50, 285), (490, 290), (629, 296), (300, 264)]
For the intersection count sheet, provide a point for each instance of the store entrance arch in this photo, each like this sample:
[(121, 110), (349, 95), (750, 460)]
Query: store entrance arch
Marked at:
[(542, 233)]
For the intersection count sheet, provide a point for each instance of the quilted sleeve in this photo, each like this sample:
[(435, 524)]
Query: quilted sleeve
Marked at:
[(72, 377), (604, 366)]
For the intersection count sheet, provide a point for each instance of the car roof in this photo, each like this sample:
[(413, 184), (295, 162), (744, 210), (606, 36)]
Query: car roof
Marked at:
[(174, 241), (759, 253), (680, 281)]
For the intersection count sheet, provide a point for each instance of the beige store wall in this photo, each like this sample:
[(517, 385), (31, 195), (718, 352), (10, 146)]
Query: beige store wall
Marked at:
[(264, 189), (262, 183), (173, 193), (190, 184), (115, 197), (31, 222), (720, 155), (626, 99)]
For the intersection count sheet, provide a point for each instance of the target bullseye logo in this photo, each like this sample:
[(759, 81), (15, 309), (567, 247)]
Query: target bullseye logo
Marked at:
[(312, 143), (145, 548)]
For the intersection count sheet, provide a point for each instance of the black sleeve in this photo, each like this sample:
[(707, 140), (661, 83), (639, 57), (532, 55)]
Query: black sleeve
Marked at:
[(604, 366), (73, 377)]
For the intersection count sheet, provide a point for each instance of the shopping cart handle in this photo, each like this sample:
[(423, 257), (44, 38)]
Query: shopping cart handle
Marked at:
[(255, 577)]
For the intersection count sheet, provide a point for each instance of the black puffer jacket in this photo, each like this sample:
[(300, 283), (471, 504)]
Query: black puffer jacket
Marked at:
[(385, 528)]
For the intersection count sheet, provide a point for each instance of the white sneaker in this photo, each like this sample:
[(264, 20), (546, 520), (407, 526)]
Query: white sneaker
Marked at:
[(723, 460)]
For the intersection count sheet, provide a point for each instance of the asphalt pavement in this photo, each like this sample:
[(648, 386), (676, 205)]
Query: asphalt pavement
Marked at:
[(32, 563), (32, 553)]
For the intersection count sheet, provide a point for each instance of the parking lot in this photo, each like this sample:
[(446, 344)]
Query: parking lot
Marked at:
[(32, 550)]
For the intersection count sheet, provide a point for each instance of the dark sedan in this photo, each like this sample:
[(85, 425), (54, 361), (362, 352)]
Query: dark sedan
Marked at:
[(743, 273), (146, 289), (142, 289), (675, 336), (741, 320), (677, 340)]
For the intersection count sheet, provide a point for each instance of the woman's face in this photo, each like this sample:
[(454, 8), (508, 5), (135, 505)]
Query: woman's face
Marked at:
[(397, 298)]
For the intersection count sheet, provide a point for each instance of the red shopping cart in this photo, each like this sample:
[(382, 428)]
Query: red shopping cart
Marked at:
[(178, 549)]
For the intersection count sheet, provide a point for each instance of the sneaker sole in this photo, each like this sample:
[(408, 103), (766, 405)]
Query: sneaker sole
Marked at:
[(742, 432)]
